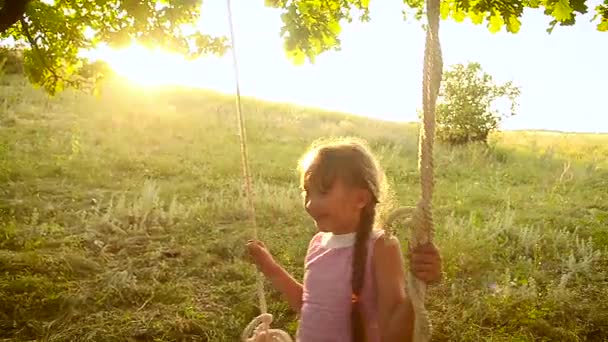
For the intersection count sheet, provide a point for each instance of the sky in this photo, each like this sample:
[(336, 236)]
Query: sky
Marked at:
[(378, 72)]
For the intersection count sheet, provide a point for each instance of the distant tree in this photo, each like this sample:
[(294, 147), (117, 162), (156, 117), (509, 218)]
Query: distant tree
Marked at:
[(11, 63), (55, 31), (465, 110), (12, 60)]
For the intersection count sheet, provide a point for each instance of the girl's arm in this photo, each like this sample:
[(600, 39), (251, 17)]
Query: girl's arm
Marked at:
[(285, 284), (394, 307), (278, 276)]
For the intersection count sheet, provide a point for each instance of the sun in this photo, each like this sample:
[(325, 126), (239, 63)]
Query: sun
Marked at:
[(153, 67)]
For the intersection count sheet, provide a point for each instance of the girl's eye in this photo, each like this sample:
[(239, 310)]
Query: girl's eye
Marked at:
[(315, 192), (324, 190)]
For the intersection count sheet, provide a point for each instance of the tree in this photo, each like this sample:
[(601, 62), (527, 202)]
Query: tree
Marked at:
[(56, 30), (466, 98)]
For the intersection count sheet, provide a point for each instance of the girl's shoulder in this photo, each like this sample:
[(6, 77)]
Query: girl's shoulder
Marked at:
[(378, 234), (316, 239), (385, 239), (386, 247)]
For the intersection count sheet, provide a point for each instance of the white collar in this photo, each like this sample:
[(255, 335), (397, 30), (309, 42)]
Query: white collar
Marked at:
[(331, 240)]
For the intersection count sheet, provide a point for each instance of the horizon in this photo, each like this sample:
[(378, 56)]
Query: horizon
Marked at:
[(389, 88), (310, 107)]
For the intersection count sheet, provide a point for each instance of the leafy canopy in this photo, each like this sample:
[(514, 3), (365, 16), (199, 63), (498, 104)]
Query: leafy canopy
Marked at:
[(55, 31), (312, 27), (465, 109)]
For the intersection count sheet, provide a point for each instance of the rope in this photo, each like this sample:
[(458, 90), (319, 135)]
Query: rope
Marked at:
[(422, 220), (259, 330), (259, 327)]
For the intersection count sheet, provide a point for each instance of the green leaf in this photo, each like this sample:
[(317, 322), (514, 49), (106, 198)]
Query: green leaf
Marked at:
[(272, 3), (476, 17), (304, 8), (495, 23), (459, 15), (562, 10), (513, 24), (602, 13), (297, 57), (444, 10), (334, 27)]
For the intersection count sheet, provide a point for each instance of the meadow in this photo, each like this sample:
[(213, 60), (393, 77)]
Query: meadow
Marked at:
[(121, 218)]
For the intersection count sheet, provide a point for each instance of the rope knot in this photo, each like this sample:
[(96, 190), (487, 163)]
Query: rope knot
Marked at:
[(258, 330)]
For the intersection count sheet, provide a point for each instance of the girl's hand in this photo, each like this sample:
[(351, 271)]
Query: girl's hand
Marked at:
[(260, 256), (425, 263)]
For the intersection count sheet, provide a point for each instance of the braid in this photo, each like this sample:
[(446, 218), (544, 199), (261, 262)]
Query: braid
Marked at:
[(358, 276)]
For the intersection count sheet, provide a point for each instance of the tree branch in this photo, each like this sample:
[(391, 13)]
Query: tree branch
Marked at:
[(41, 56), (11, 12), (34, 45)]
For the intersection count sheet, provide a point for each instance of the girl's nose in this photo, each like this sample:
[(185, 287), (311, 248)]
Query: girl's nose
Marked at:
[(311, 206), (312, 203), (307, 204)]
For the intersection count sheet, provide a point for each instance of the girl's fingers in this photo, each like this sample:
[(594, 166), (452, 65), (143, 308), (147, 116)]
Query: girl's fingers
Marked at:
[(255, 244), (427, 270), (424, 259), (426, 252), (425, 276), (427, 248), (424, 268)]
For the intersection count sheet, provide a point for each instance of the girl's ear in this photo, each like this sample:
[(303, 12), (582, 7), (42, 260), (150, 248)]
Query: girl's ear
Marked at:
[(363, 198)]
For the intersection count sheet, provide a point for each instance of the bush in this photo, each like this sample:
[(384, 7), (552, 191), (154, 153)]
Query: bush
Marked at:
[(12, 60), (12, 63), (464, 109)]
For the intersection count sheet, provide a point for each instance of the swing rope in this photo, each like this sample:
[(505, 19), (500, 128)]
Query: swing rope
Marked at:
[(422, 219), (259, 328)]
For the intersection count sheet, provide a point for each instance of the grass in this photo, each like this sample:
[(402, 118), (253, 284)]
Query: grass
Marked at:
[(121, 219)]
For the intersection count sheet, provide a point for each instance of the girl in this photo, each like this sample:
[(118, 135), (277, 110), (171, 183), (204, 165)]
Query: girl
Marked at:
[(354, 281)]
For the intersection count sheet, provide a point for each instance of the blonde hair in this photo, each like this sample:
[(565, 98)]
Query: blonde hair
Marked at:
[(351, 160)]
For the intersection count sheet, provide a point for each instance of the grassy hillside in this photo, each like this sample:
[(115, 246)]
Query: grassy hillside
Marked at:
[(121, 219)]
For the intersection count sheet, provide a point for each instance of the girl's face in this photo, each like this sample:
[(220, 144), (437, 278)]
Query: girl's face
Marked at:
[(336, 209)]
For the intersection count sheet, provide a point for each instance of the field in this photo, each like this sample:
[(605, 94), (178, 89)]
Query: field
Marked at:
[(121, 219)]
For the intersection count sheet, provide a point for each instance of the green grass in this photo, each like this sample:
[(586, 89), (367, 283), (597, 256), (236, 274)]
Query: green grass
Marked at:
[(121, 219)]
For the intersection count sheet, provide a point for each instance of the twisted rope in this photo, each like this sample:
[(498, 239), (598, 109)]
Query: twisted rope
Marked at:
[(422, 220), (258, 330)]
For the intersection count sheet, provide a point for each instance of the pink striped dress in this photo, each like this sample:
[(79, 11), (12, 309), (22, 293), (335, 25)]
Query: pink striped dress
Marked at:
[(326, 300)]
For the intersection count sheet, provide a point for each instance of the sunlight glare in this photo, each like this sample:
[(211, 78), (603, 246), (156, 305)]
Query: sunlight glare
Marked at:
[(372, 78), (155, 67)]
